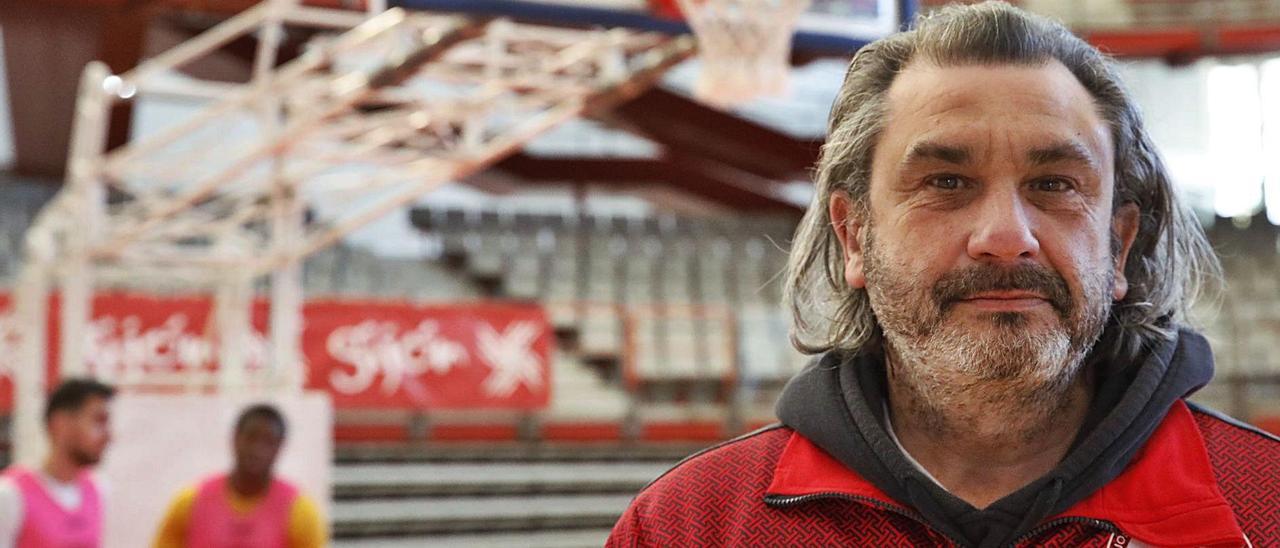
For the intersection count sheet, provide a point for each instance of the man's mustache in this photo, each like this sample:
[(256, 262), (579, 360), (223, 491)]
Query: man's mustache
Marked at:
[(965, 283)]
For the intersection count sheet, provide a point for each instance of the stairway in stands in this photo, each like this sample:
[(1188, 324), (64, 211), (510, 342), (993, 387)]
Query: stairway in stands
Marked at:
[(529, 495)]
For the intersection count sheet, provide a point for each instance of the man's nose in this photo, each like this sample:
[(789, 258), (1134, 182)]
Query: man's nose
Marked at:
[(1003, 229)]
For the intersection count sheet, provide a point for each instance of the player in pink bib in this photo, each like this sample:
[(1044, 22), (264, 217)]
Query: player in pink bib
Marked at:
[(58, 505), (47, 523), (247, 507), (215, 523)]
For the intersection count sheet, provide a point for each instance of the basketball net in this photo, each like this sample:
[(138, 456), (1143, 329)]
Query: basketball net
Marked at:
[(744, 45)]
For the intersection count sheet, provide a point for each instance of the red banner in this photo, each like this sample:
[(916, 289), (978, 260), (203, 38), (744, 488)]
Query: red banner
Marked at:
[(365, 354), (480, 355)]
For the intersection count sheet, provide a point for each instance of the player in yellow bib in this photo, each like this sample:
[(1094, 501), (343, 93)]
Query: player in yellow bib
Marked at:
[(246, 507)]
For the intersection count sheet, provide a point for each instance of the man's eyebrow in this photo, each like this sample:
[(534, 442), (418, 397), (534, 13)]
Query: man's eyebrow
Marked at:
[(929, 150), (1065, 151)]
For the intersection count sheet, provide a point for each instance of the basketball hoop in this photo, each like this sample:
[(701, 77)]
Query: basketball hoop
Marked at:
[(744, 45)]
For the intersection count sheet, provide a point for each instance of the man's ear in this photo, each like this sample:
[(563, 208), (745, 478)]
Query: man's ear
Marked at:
[(847, 225), (1124, 226)]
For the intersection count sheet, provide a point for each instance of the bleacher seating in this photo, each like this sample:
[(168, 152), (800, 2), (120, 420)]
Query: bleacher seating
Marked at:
[(20, 200), (664, 296), (489, 495)]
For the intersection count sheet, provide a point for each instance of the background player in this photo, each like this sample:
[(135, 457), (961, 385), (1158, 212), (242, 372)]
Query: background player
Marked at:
[(60, 504), (248, 506)]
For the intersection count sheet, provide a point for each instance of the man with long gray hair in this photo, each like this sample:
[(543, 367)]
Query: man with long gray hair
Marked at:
[(994, 270)]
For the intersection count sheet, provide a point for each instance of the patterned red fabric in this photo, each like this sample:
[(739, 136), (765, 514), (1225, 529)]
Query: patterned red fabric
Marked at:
[(718, 497), (1247, 465), (1075, 535)]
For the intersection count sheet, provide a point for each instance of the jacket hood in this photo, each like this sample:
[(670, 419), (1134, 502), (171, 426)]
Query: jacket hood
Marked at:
[(836, 404)]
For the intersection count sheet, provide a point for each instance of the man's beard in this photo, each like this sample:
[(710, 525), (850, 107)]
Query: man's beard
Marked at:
[(1015, 361)]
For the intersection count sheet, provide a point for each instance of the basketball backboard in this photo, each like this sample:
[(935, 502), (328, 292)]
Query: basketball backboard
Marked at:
[(830, 27)]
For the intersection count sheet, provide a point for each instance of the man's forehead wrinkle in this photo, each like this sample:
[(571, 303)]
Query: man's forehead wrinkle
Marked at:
[(1064, 151), (968, 149)]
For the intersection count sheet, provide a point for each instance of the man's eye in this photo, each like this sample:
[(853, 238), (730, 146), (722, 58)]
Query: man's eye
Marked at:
[(946, 182), (1052, 184)]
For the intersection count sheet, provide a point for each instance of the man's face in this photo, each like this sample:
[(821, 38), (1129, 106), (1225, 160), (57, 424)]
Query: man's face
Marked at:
[(256, 446), (84, 433), (989, 235)]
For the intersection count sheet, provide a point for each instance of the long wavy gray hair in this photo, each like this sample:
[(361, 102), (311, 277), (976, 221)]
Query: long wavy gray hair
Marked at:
[(1170, 261)]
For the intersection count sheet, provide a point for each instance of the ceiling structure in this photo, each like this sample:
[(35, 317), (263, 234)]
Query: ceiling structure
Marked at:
[(377, 110)]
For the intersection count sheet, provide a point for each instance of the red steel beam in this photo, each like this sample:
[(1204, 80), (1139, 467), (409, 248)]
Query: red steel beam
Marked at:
[(1249, 39), (1170, 42), (696, 129)]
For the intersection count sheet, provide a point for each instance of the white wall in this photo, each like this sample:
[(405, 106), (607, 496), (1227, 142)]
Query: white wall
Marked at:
[(163, 443)]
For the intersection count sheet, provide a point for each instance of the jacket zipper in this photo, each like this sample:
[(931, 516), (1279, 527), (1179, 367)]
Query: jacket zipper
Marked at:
[(1100, 524), (779, 501)]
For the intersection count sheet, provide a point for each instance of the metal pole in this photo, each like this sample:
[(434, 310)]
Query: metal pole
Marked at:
[(31, 309), (271, 34), (287, 217), (87, 201), (286, 289), (233, 312)]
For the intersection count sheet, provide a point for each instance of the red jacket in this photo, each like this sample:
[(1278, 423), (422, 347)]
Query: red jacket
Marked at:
[(1199, 480)]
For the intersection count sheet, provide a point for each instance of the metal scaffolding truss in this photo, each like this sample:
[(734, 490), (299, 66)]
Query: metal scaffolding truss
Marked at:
[(380, 108)]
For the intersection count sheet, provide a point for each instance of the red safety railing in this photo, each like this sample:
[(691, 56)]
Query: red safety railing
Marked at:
[(1176, 29)]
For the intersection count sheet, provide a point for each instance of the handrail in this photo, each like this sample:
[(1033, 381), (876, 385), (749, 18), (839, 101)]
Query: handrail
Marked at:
[(1148, 14)]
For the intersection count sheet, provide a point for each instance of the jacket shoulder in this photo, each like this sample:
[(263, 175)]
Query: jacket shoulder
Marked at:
[(1224, 432), (709, 490), (1246, 462), (751, 456)]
